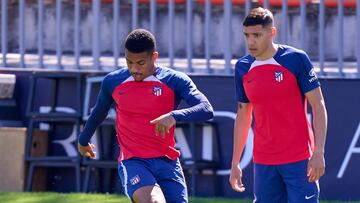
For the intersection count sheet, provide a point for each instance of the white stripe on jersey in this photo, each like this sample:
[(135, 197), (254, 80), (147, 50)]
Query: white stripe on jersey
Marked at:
[(265, 62), (150, 78)]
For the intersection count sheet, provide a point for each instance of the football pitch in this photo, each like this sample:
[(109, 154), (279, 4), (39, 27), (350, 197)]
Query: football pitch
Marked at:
[(51, 197)]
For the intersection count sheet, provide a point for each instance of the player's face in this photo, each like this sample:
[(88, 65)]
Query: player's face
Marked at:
[(259, 40), (141, 65)]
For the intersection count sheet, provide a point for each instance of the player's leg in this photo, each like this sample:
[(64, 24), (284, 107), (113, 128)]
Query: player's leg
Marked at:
[(170, 177), (147, 194), (297, 184), (268, 185), (139, 182)]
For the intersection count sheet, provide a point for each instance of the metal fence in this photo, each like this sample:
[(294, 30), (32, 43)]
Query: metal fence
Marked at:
[(209, 63)]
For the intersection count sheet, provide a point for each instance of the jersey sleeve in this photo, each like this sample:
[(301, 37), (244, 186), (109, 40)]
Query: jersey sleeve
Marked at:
[(98, 114), (239, 87), (307, 78), (200, 107)]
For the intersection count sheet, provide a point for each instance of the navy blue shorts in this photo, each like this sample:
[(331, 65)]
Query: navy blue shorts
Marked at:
[(136, 173), (284, 183)]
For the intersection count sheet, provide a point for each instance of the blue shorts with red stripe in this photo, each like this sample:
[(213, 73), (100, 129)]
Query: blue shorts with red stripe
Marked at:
[(284, 183), (166, 173)]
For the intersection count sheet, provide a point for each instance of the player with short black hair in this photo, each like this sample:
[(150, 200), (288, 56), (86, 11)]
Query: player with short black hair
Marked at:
[(273, 84), (146, 98)]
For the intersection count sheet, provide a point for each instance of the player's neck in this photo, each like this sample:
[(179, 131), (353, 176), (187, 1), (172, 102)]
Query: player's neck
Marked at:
[(269, 53), (155, 68)]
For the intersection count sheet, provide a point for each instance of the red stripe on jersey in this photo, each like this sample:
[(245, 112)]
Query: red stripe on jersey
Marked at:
[(282, 133), (137, 103)]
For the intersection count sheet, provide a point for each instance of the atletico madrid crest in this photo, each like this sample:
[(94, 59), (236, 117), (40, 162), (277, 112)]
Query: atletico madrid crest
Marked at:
[(135, 180), (279, 76), (157, 91)]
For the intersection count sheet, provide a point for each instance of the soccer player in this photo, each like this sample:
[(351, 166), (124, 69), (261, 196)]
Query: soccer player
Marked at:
[(146, 98), (273, 84)]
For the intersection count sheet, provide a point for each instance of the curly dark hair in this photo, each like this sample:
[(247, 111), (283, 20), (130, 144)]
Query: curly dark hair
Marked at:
[(140, 40)]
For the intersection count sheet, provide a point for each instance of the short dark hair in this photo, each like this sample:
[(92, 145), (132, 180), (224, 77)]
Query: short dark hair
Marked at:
[(140, 40), (259, 16)]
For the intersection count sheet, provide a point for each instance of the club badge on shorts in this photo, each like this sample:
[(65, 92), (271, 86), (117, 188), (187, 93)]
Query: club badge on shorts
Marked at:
[(279, 76), (157, 91), (135, 180)]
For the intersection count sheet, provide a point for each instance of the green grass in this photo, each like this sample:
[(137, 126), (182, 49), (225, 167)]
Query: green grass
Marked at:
[(50, 197)]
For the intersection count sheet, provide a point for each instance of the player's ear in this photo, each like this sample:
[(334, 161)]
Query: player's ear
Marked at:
[(155, 55), (273, 31)]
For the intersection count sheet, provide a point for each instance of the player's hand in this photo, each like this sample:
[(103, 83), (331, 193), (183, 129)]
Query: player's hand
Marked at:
[(87, 150), (316, 167), (235, 179), (163, 123)]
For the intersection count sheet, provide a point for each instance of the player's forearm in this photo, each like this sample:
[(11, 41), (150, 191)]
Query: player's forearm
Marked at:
[(242, 126), (240, 137), (97, 116), (320, 126), (200, 112)]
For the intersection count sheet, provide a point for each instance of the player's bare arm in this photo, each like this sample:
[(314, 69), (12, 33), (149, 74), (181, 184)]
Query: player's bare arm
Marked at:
[(163, 123), (316, 166), (87, 150), (241, 130)]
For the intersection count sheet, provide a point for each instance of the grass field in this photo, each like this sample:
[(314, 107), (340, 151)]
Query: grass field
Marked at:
[(49, 197)]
